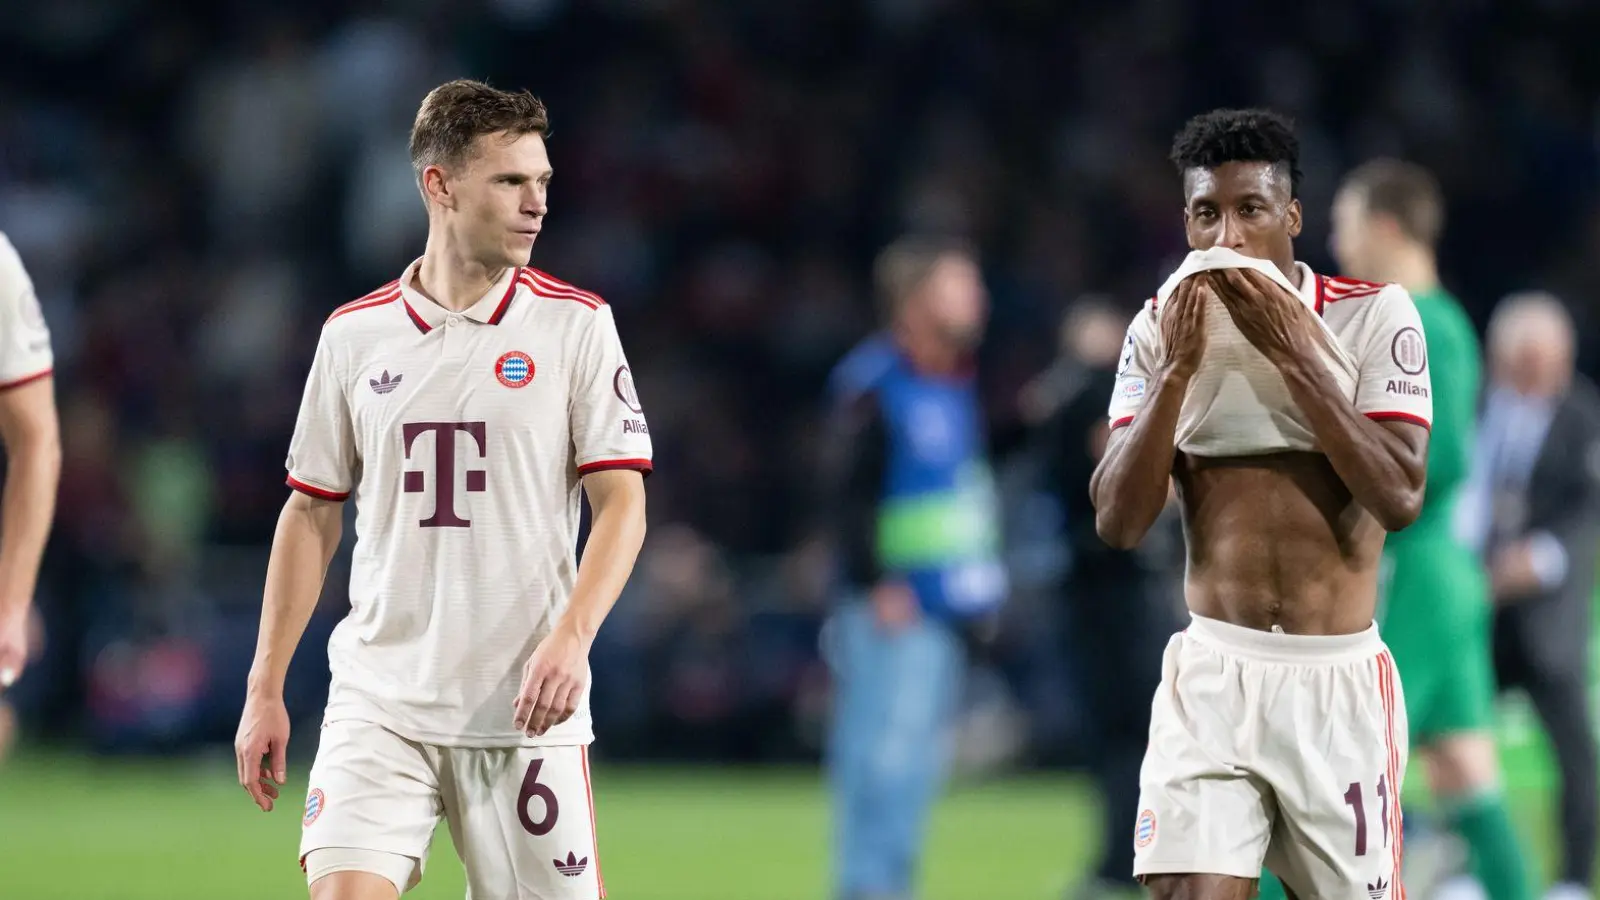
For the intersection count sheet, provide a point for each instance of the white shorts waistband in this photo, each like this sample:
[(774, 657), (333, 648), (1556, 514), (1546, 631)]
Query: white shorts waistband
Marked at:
[(1294, 649)]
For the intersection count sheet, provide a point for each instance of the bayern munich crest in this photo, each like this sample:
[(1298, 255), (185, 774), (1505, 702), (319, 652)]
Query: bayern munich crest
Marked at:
[(1144, 832), (314, 803), (514, 369)]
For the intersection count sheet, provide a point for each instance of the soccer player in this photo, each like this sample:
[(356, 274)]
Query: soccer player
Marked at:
[(1295, 425), (464, 407), (32, 440), (1434, 610)]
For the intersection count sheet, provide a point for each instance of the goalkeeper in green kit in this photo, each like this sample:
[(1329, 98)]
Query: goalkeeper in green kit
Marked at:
[(1433, 606)]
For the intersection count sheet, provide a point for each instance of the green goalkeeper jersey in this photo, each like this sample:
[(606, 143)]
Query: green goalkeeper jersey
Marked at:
[(1455, 372)]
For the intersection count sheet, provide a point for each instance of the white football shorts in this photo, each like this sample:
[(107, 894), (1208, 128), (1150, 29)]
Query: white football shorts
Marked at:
[(1287, 750), (521, 818)]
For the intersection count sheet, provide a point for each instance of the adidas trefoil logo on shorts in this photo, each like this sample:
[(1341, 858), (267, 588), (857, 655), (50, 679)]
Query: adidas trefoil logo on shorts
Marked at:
[(573, 867), (1376, 891), (383, 384)]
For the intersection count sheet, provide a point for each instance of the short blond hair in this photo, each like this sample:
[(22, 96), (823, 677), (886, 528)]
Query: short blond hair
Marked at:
[(904, 265), (1405, 192), (455, 113)]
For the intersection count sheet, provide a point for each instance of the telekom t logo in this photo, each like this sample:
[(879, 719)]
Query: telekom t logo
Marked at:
[(444, 469)]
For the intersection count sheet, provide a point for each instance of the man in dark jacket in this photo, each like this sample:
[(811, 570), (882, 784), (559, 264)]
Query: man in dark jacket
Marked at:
[(1121, 606), (1533, 508)]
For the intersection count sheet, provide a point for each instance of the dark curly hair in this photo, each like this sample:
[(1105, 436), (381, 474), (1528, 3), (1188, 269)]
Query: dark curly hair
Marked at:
[(1238, 135)]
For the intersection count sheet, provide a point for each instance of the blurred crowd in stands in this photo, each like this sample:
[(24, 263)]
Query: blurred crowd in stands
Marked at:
[(195, 187)]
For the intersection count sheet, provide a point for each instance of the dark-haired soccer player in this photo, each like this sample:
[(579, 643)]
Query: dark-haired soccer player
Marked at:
[(465, 407), (1278, 734)]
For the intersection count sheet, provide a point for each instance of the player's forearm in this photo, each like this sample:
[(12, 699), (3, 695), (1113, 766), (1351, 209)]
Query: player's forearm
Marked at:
[(33, 473), (304, 543), (608, 558), (1129, 487), (1381, 472)]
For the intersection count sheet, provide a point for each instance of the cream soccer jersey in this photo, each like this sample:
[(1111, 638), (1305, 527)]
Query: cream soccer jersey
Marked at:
[(24, 337), (1237, 403), (463, 438)]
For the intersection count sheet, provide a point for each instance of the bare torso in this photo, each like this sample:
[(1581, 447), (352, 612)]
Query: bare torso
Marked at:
[(1277, 540)]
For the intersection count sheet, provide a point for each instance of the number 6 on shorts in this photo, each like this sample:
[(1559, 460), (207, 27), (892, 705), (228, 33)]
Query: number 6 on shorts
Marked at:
[(531, 788)]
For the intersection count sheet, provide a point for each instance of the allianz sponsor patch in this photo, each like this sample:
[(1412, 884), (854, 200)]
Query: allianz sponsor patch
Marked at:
[(1403, 388), (1131, 389)]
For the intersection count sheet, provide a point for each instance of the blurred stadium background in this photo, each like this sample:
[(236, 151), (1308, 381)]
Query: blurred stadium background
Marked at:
[(194, 187)]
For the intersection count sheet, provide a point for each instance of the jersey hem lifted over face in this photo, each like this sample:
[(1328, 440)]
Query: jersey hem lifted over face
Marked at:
[(1377, 353)]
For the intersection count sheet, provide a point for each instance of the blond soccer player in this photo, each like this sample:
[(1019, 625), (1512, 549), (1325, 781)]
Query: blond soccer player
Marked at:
[(465, 407), (32, 442)]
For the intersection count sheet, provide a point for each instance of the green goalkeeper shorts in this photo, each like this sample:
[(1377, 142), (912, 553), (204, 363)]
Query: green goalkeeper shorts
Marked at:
[(1434, 615)]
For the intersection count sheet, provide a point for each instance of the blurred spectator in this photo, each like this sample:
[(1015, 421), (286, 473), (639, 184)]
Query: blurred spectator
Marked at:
[(1533, 510), (909, 500), (1121, 605)]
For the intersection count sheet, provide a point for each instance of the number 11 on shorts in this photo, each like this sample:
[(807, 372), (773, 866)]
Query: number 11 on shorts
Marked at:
[(1353, 796)]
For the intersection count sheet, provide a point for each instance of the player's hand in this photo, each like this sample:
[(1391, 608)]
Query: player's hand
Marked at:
[(261, 748), (1183, 327), (552, 682), (894, 605), (1273, 322), (13, 645)]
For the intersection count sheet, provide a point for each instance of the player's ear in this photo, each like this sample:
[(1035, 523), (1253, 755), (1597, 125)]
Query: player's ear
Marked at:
[(1188, 232), (436, 187), (1296, 220)]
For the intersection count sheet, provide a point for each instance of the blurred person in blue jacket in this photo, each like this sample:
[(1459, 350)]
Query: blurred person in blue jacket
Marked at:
[(909, 500)]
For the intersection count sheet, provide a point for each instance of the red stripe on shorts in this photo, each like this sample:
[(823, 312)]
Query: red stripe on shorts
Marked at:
[(1386, 680), (594, 837)]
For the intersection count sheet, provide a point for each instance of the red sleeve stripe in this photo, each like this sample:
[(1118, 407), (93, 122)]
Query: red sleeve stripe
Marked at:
[(1400, 417), (1125, 420), (1344, 283), (26, 379), (359, 305), (1337, 289), (373, 294), (642, 465), (312, 490), (547, 287), (547, 294), (557, 284)]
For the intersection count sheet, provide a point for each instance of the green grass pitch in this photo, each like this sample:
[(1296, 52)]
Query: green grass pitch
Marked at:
[(79, 829)]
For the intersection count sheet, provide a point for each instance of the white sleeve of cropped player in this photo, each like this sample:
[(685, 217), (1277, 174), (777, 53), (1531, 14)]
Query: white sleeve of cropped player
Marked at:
[(607, 421), (1394, 384), (24, 337), (322, 454), (1134, 368)]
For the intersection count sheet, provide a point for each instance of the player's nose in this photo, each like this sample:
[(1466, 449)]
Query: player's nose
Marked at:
[(1232, 235)]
